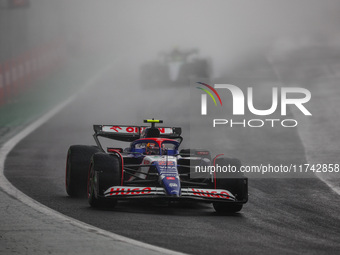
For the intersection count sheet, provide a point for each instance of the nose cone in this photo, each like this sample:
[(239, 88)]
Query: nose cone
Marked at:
[(172, 186)]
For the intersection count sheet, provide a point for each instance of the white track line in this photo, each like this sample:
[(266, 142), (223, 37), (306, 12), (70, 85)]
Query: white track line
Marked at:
[(11, 190), (336, 189), (309, 158)]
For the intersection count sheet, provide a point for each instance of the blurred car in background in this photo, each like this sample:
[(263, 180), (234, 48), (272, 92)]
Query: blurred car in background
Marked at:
[(176, 67)]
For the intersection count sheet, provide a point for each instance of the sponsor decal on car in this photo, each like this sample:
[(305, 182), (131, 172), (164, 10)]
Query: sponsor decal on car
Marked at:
[(146, 162), (164, 163), (121, 129), (186, 192), (129, 191), (133, 129), (210, 193)]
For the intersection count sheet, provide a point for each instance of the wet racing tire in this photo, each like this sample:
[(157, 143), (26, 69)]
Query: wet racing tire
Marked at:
[(234, 182), (105, 172), (225, 208), (77, 167)]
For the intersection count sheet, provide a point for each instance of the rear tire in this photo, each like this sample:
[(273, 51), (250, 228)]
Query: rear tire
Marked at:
[(105, 172), (77, 167)]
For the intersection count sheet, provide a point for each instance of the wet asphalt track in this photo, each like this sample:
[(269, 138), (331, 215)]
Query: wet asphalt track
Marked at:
[(283, 216)]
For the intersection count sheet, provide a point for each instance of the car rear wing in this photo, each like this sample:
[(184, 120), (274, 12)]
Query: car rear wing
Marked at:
[(131, 133)]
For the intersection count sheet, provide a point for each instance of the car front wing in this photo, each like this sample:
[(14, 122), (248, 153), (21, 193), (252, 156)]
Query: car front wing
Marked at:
[(127, 192)]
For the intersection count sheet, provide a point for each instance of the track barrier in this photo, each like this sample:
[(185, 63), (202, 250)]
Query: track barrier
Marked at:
[(21, 72)]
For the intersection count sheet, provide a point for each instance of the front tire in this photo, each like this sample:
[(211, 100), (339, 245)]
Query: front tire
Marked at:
[(105, 172), (234, 182), (77, 167), (226, 208)]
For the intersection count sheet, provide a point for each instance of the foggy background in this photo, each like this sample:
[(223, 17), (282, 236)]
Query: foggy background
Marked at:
[(229, 32), (95, 49)]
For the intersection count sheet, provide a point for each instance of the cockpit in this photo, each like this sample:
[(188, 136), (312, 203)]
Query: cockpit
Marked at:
[(155, 147)]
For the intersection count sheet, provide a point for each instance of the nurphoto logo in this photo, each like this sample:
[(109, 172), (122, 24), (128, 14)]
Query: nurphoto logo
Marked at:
[(294, 96)]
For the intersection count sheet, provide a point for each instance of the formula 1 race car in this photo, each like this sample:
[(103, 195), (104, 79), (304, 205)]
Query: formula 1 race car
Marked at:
[(175, 68), (151, 168)]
